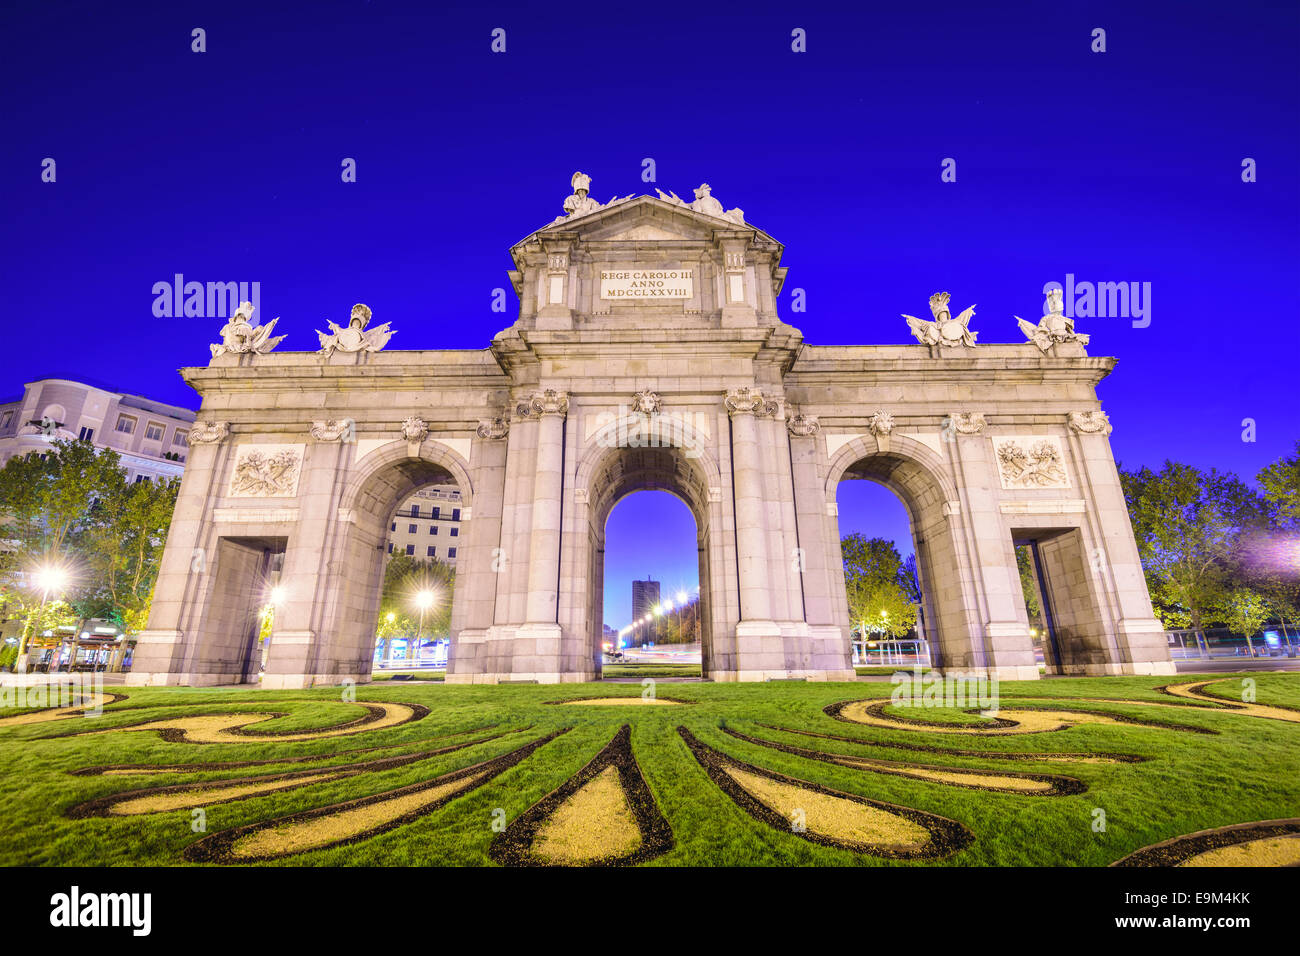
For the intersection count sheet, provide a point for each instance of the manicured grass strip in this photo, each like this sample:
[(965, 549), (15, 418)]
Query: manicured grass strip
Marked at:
[(185, 795), (829, 817), (604, 815), (620, 701), (650, 670), (352, 820), (1025, 784), (1062, 756), (1204, 847), (230, 728), (1196, 691), (1018, 720), (135, 769)]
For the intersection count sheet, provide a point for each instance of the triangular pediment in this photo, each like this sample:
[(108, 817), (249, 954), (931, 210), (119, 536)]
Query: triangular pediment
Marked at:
[(642, 219)]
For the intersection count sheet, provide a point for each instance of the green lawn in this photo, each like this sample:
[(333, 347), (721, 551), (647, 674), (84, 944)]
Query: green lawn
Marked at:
[(651, 670), (1249, 770)]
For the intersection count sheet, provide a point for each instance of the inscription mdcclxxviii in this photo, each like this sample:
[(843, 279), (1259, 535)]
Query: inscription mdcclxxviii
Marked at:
[(637, 285)]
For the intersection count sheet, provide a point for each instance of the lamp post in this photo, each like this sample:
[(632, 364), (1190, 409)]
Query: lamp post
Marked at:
[(424, 601), (48, 578), (390, 617)]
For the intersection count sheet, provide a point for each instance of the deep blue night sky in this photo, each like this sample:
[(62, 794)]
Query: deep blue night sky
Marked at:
[(225, 166)]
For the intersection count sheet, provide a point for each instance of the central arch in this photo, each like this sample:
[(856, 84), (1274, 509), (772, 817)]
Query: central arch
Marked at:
[(684, 467)]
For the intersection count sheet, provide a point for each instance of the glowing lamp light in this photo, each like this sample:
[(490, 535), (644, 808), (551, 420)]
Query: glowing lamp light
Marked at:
[(277, 594), (390, 617), (681, 597), (51, 578), (424, 600)]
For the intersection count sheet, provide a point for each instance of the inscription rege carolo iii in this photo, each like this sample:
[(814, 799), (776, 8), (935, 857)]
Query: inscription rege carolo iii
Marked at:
[(642, 285)]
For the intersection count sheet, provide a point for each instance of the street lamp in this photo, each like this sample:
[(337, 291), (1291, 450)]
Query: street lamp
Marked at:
[(424, 601), (49, 577)]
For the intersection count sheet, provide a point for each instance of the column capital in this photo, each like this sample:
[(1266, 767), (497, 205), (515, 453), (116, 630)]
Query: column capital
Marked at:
[(1092, 422), (748, 400), (494, 428), (803, 426), (551, 401), (208, 433), (965, 423)]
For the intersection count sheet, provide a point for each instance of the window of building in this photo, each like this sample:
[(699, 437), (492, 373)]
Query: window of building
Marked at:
[(86, 434), (8, 417), (126, 424), (455, 514), (415, 511), (179, 437), (140, 478), (411, 529), (390, 547), (154, 431), (451, 552), (437, 512), (433, 529), (410, 549), (394, 527), (455, 532), (431, 551)]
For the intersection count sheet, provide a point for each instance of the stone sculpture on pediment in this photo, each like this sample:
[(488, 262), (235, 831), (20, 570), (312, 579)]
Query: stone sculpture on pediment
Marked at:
[(1054, 327), (705, 204), (354, 337), (944, 330), (240, 336)]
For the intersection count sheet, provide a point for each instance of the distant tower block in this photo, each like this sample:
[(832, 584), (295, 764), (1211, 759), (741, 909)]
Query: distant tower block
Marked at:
[(645, 598)]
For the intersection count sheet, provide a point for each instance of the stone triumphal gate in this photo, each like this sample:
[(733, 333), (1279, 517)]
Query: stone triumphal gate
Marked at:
[(648, 354)]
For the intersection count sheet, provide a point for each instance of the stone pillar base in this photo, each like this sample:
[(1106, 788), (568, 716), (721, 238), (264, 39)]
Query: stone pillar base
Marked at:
[(788, 650), (523, 677), (744, 676), (1015, 672), (1140, 668), (136, 678)]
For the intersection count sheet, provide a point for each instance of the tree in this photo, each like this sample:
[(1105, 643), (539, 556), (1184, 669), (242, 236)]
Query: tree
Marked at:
[(1281, 483), (909, 579), (880, 607), (1029, 585), (124, 545), (1244, 610), (875, 558), (1189, 526), (50, 506), (873, 576), (405, 578)]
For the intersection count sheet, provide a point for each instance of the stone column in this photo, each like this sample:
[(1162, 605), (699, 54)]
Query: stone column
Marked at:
[(551, 406), (751, 533), (1116, 566), (1007, 650)]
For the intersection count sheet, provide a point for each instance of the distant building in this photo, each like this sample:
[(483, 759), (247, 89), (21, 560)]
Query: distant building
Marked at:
[(427, 524), (150, 437), (645, 598)]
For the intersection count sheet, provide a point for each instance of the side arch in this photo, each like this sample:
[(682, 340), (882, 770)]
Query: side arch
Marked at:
[(397, 454), (917, 474)]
